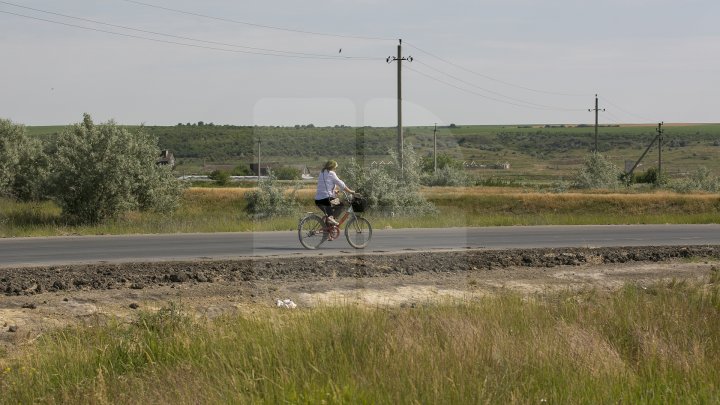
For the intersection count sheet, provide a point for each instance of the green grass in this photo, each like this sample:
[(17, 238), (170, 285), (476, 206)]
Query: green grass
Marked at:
[(654, 344), (223, 210)]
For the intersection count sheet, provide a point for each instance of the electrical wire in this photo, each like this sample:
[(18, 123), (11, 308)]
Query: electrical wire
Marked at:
[(626, 111), (177, 43), (490, 77), (489, 97), (186, 38), (297, 31), (491, 91)]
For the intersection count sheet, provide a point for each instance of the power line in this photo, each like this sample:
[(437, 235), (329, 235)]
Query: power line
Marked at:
[(491, 91), (626, 111), (489, 97), (183, 37), (300, 56), (297, 31), (490, 77)]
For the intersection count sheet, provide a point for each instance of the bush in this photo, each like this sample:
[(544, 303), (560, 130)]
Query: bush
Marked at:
[(222, 178), (102, 171), (447, 176), (241, 170), (649, 177), (699, 180), (23, 163), (387, 189), (287, 173), (271, 199), (597, 172)]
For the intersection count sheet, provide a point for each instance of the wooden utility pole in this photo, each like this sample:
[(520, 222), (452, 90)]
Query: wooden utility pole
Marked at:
[(435, 149), (660, 141), (596, 109), (399, 58), (259, 171)]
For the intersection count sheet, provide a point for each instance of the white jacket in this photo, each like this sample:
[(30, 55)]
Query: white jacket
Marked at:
[(327, 180)]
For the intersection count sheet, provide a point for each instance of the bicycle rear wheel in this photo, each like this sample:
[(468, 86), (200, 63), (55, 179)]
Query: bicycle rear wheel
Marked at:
[(311, 232), (358, 232)]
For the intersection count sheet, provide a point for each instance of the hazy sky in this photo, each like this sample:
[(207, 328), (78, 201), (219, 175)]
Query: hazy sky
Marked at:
[(475, 62)]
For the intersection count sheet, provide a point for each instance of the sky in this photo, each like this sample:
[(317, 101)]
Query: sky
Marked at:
[(163, 62)]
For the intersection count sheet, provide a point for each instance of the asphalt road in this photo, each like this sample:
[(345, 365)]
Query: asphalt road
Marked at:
[(147, 248)]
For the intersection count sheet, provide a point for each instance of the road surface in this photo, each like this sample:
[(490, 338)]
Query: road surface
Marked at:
[(16, 252)]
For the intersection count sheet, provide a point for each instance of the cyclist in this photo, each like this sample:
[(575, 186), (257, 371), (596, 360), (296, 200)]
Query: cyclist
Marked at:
[(325, 196)]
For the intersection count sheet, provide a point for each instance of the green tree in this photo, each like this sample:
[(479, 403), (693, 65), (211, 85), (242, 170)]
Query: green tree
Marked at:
[(271, 199), (597, 172), (102, 171), (287, 173), (387, 189), (221, 177), (23, 163), (12, 137)]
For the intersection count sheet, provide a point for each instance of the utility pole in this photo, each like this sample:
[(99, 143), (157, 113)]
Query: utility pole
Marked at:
[(596, 109), (258, 162), (660, 141), (399, 58), (435, 149)]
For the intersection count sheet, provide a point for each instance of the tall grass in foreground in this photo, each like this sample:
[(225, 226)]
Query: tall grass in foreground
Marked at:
[(659, 344)]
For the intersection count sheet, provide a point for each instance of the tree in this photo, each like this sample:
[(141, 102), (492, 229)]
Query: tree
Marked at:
[(386, 188), (102, 171), (597, 172), (271, 199), (23, 163), (287, 173), (12, 137), (221, 177)]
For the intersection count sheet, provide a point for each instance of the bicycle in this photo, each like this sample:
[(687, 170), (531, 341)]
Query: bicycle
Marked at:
[(313, 229)]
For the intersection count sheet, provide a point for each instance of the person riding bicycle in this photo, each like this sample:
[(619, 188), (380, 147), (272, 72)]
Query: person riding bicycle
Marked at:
[(327, 180)]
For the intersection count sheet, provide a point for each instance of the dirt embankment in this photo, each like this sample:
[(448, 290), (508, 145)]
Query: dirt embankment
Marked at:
[(138, 276)]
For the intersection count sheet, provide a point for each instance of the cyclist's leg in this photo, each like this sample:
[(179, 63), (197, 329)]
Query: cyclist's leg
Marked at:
[(324, 206)]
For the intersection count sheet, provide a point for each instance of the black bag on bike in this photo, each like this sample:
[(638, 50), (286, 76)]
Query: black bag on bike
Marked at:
[(359, 203)]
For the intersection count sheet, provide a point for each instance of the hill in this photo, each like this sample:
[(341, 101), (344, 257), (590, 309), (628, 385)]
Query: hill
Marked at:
[(532, 151)]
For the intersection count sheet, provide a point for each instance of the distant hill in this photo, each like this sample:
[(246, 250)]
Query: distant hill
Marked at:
[(531, 150)]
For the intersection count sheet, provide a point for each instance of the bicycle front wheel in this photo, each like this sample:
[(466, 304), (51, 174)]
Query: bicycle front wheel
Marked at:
[(311, 232), (358, 232)]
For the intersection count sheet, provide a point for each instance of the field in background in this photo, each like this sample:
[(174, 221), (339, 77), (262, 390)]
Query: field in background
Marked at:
[(536, 153), (223, 210), (655, 343)]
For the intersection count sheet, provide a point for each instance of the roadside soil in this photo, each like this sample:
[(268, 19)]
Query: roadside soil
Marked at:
[(34, 301)]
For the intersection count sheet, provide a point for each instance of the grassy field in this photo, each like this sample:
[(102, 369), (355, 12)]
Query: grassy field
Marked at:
[(222, 210), (639, 345)]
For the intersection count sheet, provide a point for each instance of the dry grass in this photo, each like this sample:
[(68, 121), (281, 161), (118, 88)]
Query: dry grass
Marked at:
[(656, 344)]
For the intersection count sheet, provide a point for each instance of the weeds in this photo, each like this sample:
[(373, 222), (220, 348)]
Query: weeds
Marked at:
[(637, 345)]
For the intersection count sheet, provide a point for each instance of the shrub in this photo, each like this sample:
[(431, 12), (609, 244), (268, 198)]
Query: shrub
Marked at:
[(271, 199), (241, 170), (650, 176), (597, 172), (102, 171), (387, 189), (222, 178), (287, 173), (447, 176), (699, 180), (23, 163), (443, 160)]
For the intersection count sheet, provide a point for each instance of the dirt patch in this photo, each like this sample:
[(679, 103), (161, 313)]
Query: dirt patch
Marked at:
[(36, 300)]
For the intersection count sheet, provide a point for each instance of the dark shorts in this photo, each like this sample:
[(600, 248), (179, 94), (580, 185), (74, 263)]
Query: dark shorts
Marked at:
[(324, 205)]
